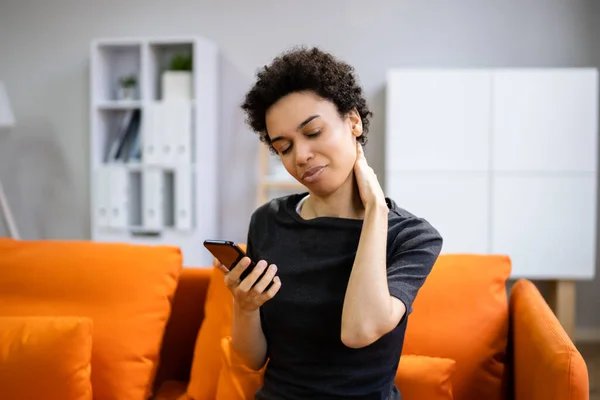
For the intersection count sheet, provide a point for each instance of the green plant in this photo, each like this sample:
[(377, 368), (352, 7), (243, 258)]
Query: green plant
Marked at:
[(181, 62), (128, 81)]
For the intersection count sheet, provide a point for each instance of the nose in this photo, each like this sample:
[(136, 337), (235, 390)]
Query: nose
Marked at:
[(303, 152)]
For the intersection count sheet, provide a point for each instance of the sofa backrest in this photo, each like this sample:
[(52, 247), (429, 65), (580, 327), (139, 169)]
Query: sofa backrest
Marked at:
[(182, 328)]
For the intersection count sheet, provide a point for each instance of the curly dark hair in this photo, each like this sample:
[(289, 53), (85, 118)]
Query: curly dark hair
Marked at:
[(300, 69)]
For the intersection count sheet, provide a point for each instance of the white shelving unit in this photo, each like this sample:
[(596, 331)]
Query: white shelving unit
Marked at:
[(159, 186)]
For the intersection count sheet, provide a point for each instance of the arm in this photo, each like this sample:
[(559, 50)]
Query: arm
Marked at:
[(380, 291), (247, 338), (369, 310)]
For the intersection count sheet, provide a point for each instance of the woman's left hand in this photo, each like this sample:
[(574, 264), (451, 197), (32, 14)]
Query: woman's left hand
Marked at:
[(370, 190)]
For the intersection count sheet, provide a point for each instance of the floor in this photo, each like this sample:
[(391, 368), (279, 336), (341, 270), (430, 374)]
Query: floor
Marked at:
[(591, 355)]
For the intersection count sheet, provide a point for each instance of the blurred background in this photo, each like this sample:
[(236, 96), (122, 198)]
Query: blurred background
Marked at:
[(62, 63)]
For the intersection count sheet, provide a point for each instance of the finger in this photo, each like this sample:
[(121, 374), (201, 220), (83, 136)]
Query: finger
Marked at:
[(249, 280), (360, 154), (231, 283), (265, 280), (222, 268), (239, 268), (269, 294)]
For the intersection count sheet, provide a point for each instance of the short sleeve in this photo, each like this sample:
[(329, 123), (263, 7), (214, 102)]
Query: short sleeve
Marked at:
[(413, 253)]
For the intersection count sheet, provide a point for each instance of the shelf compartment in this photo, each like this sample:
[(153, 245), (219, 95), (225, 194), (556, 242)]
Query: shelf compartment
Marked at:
[(160, 55), (111, 62), (119, 135)]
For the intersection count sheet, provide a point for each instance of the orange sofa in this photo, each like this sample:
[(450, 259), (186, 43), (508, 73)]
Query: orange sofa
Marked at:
[(107, 321), (506, 346)]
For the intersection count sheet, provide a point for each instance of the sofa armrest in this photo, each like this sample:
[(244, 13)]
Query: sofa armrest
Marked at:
[(546, 364)]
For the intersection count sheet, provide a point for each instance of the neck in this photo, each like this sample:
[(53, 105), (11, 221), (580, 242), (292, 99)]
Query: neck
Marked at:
[(345, 202)]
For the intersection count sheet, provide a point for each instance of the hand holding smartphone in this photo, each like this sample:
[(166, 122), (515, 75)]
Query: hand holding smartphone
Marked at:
[(230, 255)]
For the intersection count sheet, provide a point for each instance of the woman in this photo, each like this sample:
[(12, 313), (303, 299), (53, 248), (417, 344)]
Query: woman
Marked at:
[(346, 262)]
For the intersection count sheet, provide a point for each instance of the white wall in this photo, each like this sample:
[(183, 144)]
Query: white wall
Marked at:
[(44, 47)]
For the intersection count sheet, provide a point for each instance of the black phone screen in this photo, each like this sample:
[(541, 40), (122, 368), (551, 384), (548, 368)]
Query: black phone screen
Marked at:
[(229, 254)]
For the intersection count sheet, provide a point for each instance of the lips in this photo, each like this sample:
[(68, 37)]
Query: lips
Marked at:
[(311, 174)]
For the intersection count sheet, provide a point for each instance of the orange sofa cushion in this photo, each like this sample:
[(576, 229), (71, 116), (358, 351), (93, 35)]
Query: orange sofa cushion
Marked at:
[(126, 290), (45, 358), (418, 377), (422, 377), (207, 362), (461, 313), (543, 351)]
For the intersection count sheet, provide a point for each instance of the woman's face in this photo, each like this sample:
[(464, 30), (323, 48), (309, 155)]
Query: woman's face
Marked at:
[(316, 145)]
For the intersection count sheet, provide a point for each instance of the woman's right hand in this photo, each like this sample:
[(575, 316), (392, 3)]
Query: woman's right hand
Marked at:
[(248, 296)]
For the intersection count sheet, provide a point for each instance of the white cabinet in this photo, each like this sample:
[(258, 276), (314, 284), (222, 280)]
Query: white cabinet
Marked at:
[(545, 121), (500, 161), (546, 224), (455, 203), (430, 117)]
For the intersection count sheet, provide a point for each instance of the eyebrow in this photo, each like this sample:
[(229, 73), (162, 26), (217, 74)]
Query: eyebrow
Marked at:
[(300, 126)]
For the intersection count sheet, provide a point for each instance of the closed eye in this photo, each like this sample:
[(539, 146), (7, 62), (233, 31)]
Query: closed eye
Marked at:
[(310, 136), (286, 150)]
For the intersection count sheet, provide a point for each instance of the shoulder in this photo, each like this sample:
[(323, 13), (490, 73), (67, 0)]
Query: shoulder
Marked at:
[(408, 231)]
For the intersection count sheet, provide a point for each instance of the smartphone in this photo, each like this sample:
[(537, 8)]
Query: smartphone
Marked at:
[(229, 254)]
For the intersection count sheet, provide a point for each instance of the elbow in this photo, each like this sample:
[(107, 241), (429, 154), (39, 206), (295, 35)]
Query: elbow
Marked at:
[(361, 332), (247, 360), (254, 364), (365, 334), (255, 367), (359, 338)]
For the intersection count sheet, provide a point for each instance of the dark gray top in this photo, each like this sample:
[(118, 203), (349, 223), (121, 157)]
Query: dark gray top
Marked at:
[(302, 323)]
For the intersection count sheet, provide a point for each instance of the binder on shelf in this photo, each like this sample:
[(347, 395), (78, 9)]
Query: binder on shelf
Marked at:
[(178, 122), (152, 199), (118, 194), (168, 133), (102, 197), (111, 197), (184, 184), (153, 132)]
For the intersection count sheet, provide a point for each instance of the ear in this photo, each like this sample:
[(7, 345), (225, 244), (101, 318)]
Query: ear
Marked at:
[(355, 122)]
